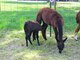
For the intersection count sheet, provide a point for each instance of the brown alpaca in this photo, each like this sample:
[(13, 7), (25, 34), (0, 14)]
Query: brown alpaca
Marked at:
[(51, 17), (29, 28), (78, 22)]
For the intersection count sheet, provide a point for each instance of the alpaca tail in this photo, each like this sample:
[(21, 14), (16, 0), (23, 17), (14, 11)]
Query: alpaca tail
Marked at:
[(39, 18), (25, 27)]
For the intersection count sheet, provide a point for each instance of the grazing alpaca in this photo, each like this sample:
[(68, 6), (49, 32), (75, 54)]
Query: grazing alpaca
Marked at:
[(78, 22), (29, 28), (51, 17)]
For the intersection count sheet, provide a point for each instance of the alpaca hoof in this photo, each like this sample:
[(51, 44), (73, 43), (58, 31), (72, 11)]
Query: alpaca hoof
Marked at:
[(45, 38), (22, 44), (26, 45), (34, 39), (38, 44), (76, 38)]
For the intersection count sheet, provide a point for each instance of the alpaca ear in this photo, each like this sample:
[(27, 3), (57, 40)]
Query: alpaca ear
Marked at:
[(65, 39)]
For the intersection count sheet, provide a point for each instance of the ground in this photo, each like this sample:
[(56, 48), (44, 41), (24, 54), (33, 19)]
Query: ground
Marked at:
[(12, 47)]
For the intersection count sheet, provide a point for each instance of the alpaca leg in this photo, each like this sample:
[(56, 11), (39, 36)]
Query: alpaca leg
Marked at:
[(34, 38), (26, 41), (27, 37), (30, 39), (37, 38), (44, 27), (76, 31)]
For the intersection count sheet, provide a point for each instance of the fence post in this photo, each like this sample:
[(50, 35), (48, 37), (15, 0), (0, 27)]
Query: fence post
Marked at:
[(54, 2)]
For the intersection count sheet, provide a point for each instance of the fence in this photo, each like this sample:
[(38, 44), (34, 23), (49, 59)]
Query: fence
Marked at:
[(22, 10)]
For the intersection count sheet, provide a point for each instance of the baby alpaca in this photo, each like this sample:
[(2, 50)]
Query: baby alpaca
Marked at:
[(29, 28)]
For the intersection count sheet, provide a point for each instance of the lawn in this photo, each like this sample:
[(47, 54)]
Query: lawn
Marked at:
[(12, 38)]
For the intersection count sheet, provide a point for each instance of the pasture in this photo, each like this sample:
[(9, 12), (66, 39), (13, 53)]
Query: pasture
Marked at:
[(12, 38)]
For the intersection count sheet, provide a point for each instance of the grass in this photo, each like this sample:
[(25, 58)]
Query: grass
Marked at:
[(11, 48), (12, 38)]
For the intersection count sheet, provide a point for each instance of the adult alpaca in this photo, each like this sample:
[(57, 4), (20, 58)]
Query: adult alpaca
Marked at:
[(29, 28), (78, 27), (51, 17)]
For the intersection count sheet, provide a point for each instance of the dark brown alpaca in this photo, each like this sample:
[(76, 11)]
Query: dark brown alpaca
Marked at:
[(51, 17), (29, 28), (78, 22)]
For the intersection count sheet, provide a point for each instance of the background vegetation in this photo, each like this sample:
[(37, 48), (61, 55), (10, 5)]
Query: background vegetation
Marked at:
[(12, 38)]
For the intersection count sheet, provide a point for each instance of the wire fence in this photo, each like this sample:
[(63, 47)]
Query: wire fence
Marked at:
[(29, 9), (20, 5), (23, 5)]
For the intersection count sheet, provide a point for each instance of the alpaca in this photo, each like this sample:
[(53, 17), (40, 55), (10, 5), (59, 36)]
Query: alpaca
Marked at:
[(29, 28), (51, 17), (78, 27)]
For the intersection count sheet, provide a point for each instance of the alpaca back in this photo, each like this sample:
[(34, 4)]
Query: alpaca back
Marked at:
[(32, 26)]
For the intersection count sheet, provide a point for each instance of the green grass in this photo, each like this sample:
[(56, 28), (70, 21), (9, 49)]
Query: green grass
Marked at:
[(14, 20), (18, 13), (12, 38)]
